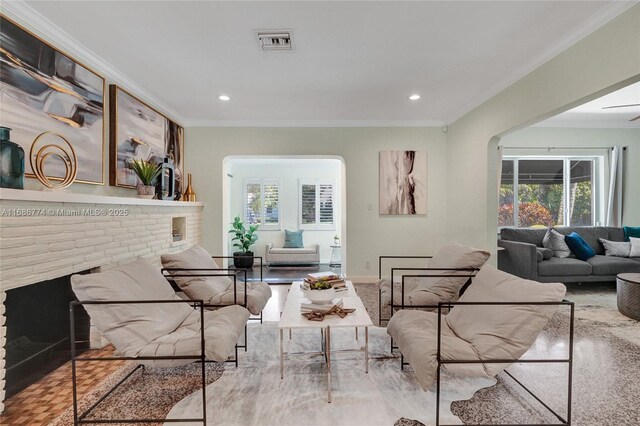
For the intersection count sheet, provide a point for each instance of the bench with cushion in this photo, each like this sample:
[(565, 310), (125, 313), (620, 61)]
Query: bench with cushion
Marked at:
[(275, 256)]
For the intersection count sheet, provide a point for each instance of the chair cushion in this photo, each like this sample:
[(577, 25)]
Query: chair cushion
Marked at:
[(293, 239), (197, 288), (508, 331), (609, 265), (130, 327), (563, 267), (554, 241), (223, 328), (616, 248), (292, 250), (450, 256), (258, 294), (412, 295), (579, 246), (415, 333)]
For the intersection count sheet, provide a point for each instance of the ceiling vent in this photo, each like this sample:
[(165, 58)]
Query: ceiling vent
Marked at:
[(275, 40)]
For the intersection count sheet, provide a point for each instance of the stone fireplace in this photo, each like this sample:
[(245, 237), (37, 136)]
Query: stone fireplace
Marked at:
[(48, 235)]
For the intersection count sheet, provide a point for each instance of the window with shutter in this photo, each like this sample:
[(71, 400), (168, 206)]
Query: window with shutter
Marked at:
[(316, 204), (262, 203)]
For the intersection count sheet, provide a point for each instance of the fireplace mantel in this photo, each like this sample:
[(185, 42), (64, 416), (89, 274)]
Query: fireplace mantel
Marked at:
[(69, 197)]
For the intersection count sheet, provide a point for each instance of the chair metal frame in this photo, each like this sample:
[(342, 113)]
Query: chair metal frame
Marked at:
[(568, 360), (470, 274), (81, 418)]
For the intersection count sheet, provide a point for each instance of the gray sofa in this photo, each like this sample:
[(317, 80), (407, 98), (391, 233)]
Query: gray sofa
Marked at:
[(521, 255)]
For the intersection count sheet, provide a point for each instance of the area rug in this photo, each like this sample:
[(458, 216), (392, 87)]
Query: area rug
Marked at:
[(254, 394)]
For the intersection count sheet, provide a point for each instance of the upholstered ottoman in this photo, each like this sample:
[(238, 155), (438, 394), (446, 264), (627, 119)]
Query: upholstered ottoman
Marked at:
[(629, 295)]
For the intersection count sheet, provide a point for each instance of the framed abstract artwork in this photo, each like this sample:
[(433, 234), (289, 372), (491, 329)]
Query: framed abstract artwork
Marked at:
[(403, 182), (45, 90), (138, 131)]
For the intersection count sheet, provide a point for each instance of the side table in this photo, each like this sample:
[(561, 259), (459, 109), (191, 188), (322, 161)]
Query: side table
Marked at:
[(628, 292), (336, 256)]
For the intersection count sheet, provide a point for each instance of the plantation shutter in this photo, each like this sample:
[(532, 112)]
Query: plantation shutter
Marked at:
[(316, 204), (253, 204), (271, 197), (307, 204), (325, 207)]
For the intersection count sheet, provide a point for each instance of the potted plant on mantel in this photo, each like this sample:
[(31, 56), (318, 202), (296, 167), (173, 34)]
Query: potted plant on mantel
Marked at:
[(244, 238), (147, 173)]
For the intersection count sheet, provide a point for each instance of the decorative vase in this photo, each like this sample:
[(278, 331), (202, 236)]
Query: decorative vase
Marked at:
[(166, 185), (243, 260), (336, 241), (11, 161), (146, 191), (189, 194)]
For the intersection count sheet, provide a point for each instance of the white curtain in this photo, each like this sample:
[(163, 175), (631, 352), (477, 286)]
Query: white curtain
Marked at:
[(614, 201), (499, 160)]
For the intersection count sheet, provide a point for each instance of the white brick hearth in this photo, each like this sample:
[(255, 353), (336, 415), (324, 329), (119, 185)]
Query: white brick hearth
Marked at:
[(46, 235)]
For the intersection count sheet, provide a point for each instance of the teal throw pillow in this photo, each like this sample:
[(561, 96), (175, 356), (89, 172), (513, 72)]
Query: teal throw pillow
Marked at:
[(579, 246), (293, 239), (631, 231)]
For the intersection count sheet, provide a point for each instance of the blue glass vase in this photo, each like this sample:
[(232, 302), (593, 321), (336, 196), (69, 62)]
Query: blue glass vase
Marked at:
[(11, 161)]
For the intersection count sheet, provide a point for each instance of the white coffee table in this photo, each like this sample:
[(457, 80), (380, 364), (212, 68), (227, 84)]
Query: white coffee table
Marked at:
[(292, 318)]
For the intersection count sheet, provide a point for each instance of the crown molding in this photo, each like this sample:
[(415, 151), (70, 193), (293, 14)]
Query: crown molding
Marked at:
[(35, 22), (569, 124), (315, 123), (606, 14)]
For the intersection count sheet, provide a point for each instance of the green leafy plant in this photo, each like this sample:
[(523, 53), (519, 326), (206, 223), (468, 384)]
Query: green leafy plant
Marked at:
[(320, 285), (147, 172), (244, 237)]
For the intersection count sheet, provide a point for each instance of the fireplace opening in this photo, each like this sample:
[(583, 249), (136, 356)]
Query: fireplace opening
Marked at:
[(37, 322)]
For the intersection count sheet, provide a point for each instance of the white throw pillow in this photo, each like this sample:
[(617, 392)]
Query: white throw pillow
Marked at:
[(635, 247), (616, 248), (554, 241)]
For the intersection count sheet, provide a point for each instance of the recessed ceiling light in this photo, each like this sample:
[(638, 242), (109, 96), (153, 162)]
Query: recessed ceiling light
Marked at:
[(414, 97), (224, 97)]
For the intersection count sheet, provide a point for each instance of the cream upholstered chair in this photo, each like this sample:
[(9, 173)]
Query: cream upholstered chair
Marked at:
[(447, 272), (136, 310), (200, 277), (492, 325)]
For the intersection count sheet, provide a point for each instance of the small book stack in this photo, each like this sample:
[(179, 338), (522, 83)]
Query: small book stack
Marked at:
[(315, 307), (336, 281)]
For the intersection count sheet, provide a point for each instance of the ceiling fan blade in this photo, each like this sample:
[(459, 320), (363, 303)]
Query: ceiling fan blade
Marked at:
[(620, 106), (634, 119)]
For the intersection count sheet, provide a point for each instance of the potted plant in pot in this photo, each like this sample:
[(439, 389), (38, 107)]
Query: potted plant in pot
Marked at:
[(244, 238), (147, 173)]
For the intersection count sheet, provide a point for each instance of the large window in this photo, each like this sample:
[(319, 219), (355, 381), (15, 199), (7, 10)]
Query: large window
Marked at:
[(549, 191), (316, 204), (262, 203)]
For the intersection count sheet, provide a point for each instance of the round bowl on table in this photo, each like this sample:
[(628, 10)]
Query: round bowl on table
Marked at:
[(321, 297)]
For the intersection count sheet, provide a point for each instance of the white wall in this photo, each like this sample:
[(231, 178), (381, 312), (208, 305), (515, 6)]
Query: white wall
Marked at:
[(606, 60), (368, 234), (288, 172), (589, 138)]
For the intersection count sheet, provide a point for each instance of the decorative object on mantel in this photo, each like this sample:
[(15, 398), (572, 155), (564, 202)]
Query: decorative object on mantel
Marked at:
[(44, 89), (147, 173), (138, 131), (336, 240), (189, 194), (38, 157), (245, 238), (165, 187), (11, 161)]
